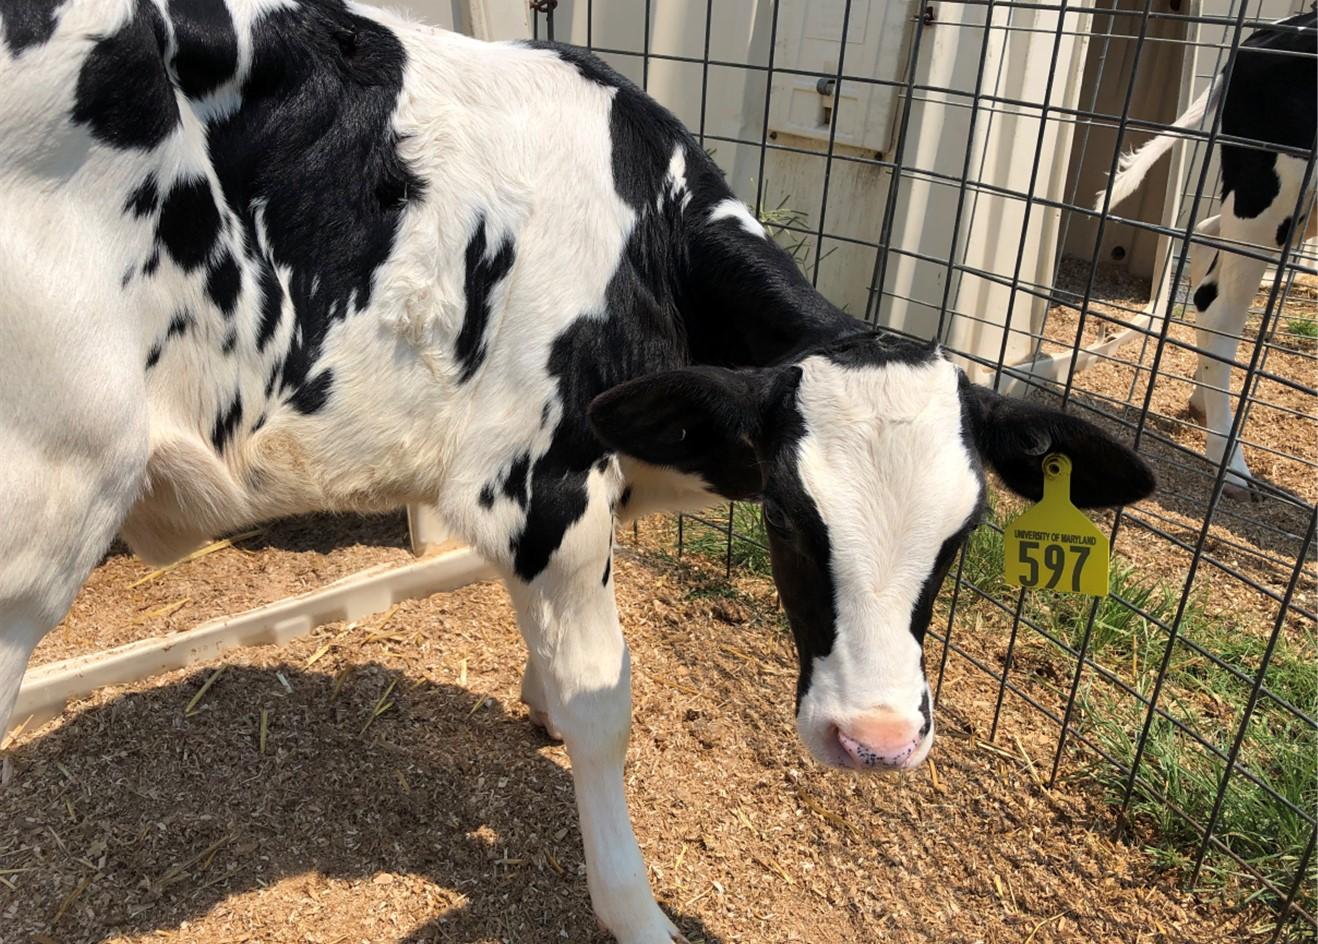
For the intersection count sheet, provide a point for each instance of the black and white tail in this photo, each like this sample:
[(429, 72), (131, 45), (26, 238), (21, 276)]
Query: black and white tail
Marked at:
[(1135, 165)]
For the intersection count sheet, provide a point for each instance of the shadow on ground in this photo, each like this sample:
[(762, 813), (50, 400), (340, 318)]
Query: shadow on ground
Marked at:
[(165, 816)]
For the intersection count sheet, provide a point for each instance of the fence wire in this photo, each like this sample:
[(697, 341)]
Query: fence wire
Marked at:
[(1189, 694)]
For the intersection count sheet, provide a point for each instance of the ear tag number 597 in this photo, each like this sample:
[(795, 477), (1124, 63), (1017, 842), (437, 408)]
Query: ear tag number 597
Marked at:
[(1052, 545)]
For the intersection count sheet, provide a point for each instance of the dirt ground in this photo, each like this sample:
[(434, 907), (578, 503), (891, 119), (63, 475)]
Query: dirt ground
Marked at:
[(399, 793)]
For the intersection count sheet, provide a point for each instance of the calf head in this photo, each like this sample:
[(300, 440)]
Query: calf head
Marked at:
[(868, 459)]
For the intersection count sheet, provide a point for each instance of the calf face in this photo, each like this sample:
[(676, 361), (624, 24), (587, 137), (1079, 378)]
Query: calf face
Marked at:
[(867, 456)]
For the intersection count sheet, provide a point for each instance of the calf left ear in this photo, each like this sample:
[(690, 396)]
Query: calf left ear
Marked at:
[(1014, 435), (700, 420)]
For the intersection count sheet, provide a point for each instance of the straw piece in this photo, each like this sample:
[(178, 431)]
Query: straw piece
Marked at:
[(196, 555), (933, 777), (775, 868), (70, 898), (1029, 762), (829, 815), (1060, 914), (339, 680), (191, 708), (382, 705), (169, 609), (12, 736)]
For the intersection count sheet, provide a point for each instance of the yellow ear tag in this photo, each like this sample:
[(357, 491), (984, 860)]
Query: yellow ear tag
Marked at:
[(1052, 545)]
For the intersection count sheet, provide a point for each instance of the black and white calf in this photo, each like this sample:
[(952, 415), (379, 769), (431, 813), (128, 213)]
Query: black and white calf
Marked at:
[(265, 256), (1271, 97)]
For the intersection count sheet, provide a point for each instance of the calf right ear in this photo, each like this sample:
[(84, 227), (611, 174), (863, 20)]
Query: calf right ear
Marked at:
[(1014, 435), (699, 420)]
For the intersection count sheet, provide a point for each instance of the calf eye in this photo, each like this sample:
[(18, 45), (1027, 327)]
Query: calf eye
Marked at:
[(775, 520)]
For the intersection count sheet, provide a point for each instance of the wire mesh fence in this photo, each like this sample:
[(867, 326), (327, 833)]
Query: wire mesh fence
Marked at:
[(941, 169)]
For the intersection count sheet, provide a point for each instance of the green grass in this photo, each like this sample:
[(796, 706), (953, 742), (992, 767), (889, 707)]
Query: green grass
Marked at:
[(1304, 327), (749, 542), (1278, 749)]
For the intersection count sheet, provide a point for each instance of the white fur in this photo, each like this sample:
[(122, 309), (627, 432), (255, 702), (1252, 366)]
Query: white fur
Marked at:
[(731, 209), (891, 486)]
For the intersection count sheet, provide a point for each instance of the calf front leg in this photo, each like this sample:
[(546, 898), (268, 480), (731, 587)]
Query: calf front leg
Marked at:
[(579, 680)]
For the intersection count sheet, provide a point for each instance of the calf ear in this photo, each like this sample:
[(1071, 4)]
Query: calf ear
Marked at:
[(1014, 435), (700, 420)]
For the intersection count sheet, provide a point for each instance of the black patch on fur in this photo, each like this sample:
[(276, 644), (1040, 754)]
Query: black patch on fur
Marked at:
[(515, 483), (590, 356), (608, 569), (152, 263), (276, 369), (126, 277), (144, 199), (124, 95), (224, 281), (179, 325), (923, 610), (311, 396), (625, 499), (1205, 295), (1270, 98), (483, 273), (486, 497), (1284, 231), (260, 421), (544, 415), (313, 141), (227, 423), (207, 54), (800, 550), (926, 714), (189, 223), (272, 303), (25, 23), (230, 342)]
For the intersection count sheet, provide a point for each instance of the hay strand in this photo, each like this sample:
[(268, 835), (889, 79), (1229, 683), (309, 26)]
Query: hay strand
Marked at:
[(196, 555), (192, 706), (382, 705)]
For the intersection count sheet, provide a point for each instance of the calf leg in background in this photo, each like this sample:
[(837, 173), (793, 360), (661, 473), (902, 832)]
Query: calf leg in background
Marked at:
[(73, 445), (1222, 302), (1203, 261), (579, 661)]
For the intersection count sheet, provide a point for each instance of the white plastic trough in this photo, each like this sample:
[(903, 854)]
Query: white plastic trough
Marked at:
[(48, 688)]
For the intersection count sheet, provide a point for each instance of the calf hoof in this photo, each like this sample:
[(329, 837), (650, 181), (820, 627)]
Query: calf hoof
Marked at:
[(540, 719), (1236, 490)]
